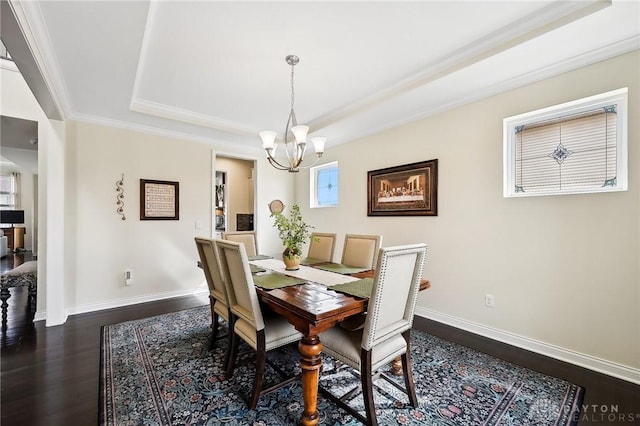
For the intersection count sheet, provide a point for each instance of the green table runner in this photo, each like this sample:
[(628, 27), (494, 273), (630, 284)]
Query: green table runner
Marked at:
[(274, 280), (339, 268), (361, 288), (311, 261)]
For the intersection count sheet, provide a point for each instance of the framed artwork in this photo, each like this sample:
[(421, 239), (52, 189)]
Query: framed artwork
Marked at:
[(408, 190), (159, 200)]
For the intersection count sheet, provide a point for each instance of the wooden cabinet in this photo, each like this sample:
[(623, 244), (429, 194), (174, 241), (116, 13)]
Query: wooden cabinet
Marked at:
[(15, 237)]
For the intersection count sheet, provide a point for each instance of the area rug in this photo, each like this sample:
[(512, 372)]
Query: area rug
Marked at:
[(159, 371)]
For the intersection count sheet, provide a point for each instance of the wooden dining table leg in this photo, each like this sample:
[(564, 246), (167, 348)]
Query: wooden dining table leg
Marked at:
[(396, 366), (311, 365)]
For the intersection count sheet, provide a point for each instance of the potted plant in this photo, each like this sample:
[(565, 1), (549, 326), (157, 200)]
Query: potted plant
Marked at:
[(294, 233)]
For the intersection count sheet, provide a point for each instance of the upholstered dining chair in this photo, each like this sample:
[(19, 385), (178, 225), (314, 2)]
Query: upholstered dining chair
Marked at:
[(361, 250), (263, 331), (386, 332), (321, 246), (248, 238), (217, 291)]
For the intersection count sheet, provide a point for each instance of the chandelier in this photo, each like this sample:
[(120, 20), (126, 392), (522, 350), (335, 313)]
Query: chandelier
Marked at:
[(295, 144)]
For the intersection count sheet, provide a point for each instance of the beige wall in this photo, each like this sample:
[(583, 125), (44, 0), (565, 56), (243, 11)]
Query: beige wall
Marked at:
[(161, 254), (564, 270)]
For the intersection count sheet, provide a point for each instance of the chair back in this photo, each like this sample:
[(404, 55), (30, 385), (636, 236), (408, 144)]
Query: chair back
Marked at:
[(395, 291), (241, 291), (322, 246), (211, 268), (248, 238), (361, 250)]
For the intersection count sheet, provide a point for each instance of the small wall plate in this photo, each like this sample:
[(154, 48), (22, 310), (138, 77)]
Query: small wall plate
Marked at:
[(276, 206)]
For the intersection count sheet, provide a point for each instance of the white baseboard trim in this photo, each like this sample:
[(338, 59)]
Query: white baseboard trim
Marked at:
[(118, 303), (567, 355)]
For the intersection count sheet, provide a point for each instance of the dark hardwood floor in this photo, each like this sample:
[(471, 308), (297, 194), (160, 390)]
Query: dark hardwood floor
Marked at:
[(49, 375)]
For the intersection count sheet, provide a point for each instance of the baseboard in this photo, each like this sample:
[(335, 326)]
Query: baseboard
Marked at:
[(118, 303), (563, 354)]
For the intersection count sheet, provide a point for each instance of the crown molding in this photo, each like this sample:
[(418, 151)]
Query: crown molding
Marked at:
[(186, 116), (616, 49), (156, 131), (34, 31), (143, 106), (549, 18)]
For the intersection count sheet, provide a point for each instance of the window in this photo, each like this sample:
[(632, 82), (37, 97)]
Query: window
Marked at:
[(324, 185), (7, 192), (576, 147)]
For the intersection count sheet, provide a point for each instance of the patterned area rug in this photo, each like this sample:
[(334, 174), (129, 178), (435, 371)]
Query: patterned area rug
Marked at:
[(158, 371)]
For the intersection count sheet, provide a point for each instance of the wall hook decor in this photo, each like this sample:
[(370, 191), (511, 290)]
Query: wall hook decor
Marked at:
[(120, 197)]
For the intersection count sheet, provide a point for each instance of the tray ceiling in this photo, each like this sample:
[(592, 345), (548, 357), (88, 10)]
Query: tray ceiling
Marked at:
[(215, 71)]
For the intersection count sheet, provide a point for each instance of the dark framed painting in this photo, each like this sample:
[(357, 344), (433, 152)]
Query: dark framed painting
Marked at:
[(159, 200), (407, 190)]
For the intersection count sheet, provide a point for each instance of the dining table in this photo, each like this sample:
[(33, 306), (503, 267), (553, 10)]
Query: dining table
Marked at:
[(312, 306)]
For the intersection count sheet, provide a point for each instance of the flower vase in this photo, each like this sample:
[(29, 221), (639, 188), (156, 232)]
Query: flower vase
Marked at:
[(291, 262)]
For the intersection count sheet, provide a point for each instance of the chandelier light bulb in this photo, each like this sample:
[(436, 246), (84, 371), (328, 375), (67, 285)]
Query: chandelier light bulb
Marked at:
[(268, 139), (318, 144), (300, 133)]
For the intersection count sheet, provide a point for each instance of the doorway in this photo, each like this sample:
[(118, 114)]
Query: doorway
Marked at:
[(19, 178), (234, 195)]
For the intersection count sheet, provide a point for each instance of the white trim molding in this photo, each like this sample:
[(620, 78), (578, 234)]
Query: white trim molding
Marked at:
[(201, 291), (563, 354)]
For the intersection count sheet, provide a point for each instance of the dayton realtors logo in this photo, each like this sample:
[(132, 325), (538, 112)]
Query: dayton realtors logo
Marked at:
[(604, 414)]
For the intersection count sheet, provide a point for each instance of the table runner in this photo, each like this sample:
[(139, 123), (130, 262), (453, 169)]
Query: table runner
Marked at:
[(271, 281), (305, 272), (361, 288)]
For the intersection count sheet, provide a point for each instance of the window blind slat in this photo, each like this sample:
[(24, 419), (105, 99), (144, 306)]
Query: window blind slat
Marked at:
[(585, 148)]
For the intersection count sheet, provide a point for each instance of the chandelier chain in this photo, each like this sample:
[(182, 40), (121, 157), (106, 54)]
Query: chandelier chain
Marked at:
[(292, 94)]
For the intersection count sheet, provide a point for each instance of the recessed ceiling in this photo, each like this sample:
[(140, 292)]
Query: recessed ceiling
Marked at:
[(215, 71)]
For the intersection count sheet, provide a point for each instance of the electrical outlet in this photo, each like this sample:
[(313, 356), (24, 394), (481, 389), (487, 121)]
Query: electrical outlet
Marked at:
[(489, 301), (128, 277)]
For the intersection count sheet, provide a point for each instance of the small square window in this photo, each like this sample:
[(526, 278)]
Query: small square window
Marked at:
[(572, 148), (324, 185)]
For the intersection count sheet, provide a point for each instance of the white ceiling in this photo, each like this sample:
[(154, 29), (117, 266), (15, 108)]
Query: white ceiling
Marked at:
[(215, 71)]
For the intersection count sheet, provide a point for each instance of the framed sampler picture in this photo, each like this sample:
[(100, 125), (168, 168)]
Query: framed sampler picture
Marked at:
[(159, 200), (407, 190)]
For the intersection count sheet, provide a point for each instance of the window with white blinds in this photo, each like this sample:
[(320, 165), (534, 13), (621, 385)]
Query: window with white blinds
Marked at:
[(571, 148)]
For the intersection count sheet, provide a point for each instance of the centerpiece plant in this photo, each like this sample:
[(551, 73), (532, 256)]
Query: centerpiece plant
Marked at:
[(294, 233)]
